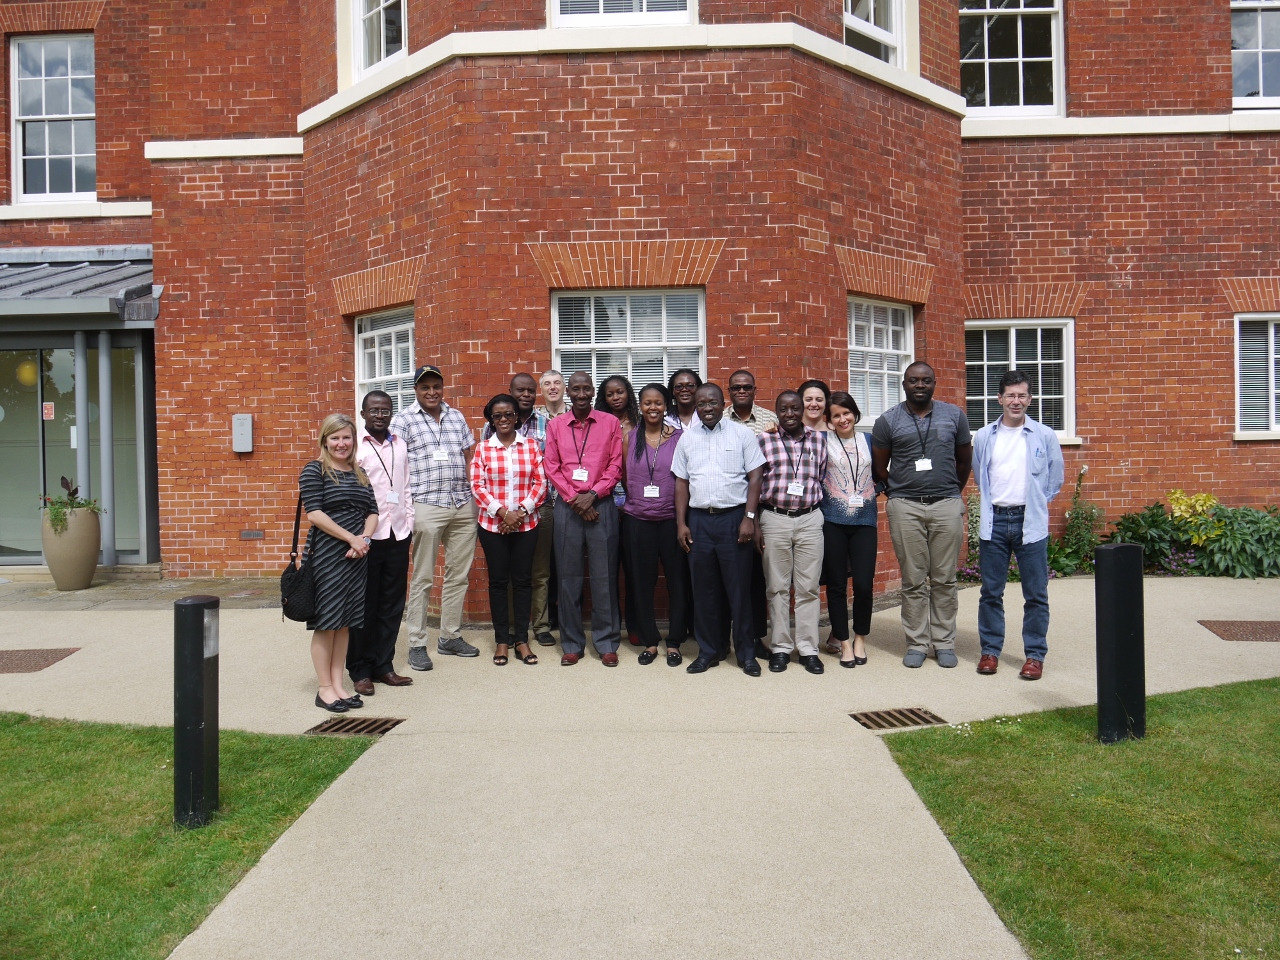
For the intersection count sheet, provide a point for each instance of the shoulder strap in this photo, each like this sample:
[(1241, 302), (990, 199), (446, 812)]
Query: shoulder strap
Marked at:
[(297, 522)]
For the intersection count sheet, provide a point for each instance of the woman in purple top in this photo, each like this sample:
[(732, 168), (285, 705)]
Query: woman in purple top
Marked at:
[(649, 525)]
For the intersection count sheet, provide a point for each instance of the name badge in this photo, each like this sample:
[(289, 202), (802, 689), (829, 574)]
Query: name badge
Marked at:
[(856, 502), (393, 497), (651, 492), (580, 475), (795, 489), (440, 456), (923, 464)]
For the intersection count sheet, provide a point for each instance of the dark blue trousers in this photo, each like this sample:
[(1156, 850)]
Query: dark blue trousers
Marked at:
[(720, 567)]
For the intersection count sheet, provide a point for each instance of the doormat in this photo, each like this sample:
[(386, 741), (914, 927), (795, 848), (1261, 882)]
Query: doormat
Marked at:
[(32, 661), (1266, 631)]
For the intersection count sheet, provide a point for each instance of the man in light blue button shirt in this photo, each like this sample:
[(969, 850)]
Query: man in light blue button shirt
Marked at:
[(1019, 469)]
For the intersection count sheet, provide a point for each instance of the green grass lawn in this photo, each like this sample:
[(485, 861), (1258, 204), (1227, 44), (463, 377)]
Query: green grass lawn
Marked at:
[(1167, 847), (92, 864)]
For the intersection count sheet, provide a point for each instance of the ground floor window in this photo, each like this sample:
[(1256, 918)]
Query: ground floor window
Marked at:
[(880, 348), (384, 356), (1258, 373), (1042, 349), (642, 335)]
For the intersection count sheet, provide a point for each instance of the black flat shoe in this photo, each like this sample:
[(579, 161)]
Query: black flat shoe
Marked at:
[(647, 657), (338, 706), (859, 660), (674, 659), (850, 663), (354, 703)]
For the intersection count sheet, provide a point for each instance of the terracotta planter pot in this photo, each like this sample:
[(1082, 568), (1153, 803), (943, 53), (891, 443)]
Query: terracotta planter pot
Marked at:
[(72, 556)]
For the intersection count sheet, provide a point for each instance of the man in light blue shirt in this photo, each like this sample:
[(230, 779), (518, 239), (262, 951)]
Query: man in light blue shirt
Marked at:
[(1019, 469)]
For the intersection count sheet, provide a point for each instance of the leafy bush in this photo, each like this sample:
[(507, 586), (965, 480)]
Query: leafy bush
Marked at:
[(1246, 546), (1152, 529), (1200, 535), (1073, 551)]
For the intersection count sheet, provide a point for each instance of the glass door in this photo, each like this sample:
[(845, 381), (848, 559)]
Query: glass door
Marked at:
[(20, 460)]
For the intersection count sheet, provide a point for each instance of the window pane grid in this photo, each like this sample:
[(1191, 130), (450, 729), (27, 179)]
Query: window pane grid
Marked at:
[(1258, 373), (1008, 54), (382, 29), (1255, 52), (872, 27), (588, 7), (879, 352), (641, 336), (1038, 351), (55, 128), (384, 357)]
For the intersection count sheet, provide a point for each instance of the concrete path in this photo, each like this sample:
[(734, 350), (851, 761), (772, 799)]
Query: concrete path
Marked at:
[(542, 811)]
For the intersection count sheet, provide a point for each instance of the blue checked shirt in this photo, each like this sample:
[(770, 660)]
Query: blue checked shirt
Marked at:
[(438, 483), (716, 463)]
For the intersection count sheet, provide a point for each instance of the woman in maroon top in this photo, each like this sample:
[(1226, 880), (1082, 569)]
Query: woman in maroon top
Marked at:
[(649, 525)]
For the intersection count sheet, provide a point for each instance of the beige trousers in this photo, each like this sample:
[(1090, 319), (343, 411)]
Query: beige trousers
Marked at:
[(455, 530), (793, 549), (927, 539)]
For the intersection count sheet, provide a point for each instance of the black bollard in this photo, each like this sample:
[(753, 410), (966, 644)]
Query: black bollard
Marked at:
[(195, 710), (1122, 680)]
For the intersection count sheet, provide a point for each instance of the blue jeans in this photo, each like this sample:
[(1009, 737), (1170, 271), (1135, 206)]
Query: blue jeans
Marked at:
[(1033, 566)]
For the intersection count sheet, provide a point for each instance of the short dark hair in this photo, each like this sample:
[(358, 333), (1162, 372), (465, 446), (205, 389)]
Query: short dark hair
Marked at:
[(1012, 378), (841, 399), (710, 386), (786, 393), (517, 376), (378, 394), (743, 370), (697, 377), (494, 401)]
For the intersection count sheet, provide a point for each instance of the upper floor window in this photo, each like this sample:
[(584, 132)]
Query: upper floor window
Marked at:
[(607, 13), (1011, 56), (380, 30), (644, 335), (874, 27), (1255, 53), (1042, 349), (880, 350), (54, 136), (384, 356), (1258, 374)]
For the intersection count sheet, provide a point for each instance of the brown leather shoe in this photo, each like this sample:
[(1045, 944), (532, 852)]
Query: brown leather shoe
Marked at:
[(609, 659), (988, 664), (1032, 670), (569, 659), (393, 679), (365, 687)]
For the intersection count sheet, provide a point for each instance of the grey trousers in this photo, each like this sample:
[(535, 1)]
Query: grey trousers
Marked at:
[(793, 548), (588, 549), (927, 539)]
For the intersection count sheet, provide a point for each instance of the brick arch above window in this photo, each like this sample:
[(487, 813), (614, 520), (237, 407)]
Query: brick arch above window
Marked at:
[(1024, 299), (1252, 294), (880, 275), (377, 288), (594, 265), (44, 17)]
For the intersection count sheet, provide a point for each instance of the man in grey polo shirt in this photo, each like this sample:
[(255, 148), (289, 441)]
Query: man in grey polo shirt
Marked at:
[(921, 453)]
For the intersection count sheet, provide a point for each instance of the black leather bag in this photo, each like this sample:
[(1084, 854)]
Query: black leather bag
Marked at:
[(297, 583)]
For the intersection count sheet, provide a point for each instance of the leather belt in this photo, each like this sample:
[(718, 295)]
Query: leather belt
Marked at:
[(789, 513), (718, 510), (1019, 508), (926, 500)]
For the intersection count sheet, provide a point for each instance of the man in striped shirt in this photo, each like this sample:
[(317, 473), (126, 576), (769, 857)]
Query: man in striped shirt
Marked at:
[(789, 533)]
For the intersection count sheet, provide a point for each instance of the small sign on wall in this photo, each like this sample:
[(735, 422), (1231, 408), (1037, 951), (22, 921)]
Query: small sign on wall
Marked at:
[(47, 410)]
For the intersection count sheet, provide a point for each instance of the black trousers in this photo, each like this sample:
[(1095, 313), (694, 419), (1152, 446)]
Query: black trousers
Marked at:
[(647, 543), (372, 648), (509, 557), (849, 549), (721, 576)]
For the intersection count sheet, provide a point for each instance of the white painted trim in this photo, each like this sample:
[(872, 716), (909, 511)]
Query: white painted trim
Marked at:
[(1257, 435), (221, 149), (1253, 121), (68, 211), (725, 36), (1069, 441)]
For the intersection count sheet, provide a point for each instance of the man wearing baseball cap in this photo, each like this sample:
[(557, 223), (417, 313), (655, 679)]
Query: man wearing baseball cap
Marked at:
[(444, 514)]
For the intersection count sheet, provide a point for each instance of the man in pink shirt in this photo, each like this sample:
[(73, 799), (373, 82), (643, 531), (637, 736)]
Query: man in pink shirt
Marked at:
[(583, 460), (385, 458)]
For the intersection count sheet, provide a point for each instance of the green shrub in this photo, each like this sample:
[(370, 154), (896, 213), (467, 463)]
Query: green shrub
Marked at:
[(1073, 551), (1246, 546), (1152, 529)]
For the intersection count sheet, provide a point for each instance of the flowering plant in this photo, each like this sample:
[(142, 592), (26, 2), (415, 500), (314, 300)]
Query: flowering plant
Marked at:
[(60, 507)]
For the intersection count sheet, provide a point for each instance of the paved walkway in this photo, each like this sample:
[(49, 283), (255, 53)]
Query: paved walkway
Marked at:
[(528, 812)]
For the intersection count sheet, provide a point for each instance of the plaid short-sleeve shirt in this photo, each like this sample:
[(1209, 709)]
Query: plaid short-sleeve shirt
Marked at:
[(440, 481)]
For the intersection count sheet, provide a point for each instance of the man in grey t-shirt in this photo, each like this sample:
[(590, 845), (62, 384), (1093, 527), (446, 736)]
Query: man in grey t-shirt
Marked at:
[(921, 453)]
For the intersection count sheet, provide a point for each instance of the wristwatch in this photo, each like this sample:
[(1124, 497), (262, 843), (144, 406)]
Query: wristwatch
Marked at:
[(751, 515)]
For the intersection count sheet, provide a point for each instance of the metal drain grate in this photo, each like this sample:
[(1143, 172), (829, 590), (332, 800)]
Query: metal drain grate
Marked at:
[(356, 726), (32, 661), (897, 719), (1254, 630)]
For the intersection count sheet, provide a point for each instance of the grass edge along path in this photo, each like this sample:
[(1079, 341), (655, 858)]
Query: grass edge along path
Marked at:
[(1158, 848), (93, 865)]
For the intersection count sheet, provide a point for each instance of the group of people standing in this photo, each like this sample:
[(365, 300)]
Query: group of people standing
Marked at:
[(742, 507)]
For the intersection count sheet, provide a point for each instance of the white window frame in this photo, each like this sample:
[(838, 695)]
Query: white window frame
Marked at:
[(386, 339), (1259, 102), (559, 350), (359, 17), (1054, 12), (633, 18), (890, 380), (892, 39), (1265, 372), (17, 120), (1068, 327)]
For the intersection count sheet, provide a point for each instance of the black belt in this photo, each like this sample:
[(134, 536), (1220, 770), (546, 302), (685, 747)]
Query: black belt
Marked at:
[(1020, 508), (716, 510), (926, 500), (789, 513)]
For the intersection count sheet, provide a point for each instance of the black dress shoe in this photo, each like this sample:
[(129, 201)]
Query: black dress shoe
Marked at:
[(701, 665), (338, 706), (751, 668), (778, 662), (812, 663)]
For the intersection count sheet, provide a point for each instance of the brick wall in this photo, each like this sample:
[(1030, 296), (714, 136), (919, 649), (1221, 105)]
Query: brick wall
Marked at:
[(940, 43)]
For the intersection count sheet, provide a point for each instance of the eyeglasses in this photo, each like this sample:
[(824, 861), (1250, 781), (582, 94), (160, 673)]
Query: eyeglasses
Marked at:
[(503, 416), (741, 387)]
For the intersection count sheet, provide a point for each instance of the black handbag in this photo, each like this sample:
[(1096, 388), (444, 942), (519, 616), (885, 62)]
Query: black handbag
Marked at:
[(297, 583)]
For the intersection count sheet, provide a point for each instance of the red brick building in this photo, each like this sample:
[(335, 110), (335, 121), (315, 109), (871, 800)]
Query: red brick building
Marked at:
[(329, 192)]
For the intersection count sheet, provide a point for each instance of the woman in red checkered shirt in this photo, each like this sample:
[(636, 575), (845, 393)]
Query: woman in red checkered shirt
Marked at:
[(509, 485)]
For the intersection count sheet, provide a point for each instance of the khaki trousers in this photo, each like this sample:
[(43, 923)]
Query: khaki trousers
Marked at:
[(793, 549), (455, 530), (927, 539)]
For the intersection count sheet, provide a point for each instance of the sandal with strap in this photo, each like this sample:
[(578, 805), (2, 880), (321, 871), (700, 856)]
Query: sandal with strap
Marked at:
[(500, 659), (529, 656)]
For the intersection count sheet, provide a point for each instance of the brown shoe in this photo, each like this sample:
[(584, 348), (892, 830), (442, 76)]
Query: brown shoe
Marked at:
[(609, 659), (1032, 670), (393, 679), (988, 664), (365, 687)]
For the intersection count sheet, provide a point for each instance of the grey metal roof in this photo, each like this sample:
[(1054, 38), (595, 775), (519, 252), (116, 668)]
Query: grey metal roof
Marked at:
[(77, 280)]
